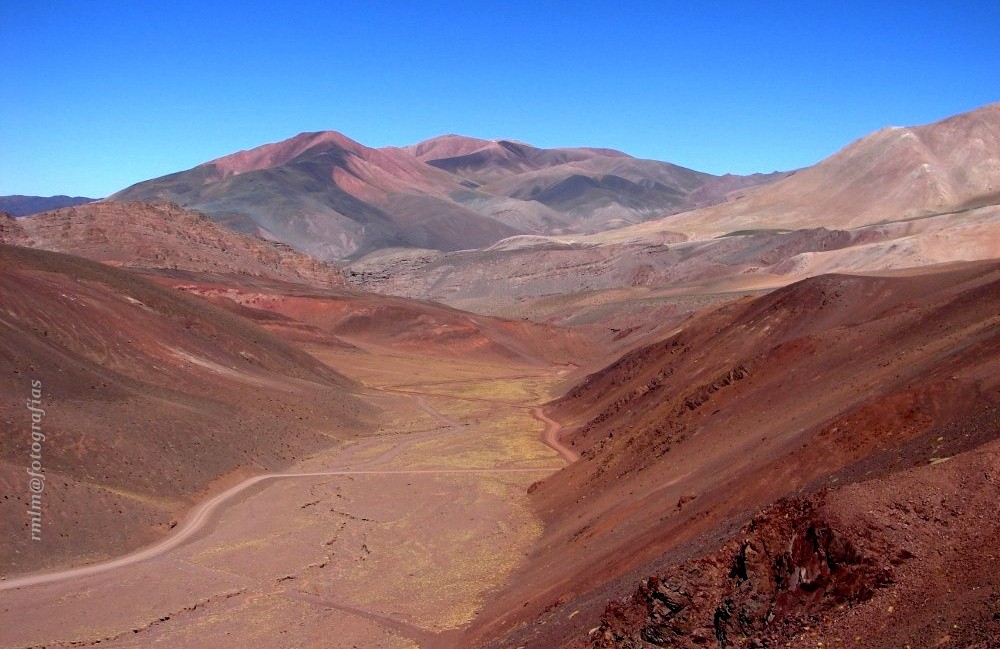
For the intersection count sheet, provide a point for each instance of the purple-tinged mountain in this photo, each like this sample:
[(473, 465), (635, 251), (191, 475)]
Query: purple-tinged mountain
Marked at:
[(332, 197), (19, 205)]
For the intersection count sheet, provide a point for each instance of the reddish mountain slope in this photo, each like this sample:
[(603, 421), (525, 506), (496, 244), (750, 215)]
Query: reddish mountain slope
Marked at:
[(287, 292), (332, 197), (485, 161), (328, 196), (900, 198), (374, 321), (151, 397), (597, 188), (895, 173), (163, 236), (834, 391)]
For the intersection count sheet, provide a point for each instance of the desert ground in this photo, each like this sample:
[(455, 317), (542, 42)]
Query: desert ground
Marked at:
[(394, 540), (499, 502)]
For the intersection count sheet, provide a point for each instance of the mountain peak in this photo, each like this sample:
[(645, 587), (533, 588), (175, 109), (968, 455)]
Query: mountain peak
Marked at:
[(279, 153), (447, 146)]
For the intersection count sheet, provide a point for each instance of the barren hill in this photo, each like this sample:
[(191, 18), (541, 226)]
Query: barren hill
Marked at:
[(20, 205), (139, 235), (892, 174), (285, 291), (332, 197), (598, 188), (378, 323), (810, 458), (900, 198), (151, 398)]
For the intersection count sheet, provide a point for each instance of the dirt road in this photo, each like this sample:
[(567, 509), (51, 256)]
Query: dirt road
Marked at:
[(394, 539), (202, 514), (550, 436)]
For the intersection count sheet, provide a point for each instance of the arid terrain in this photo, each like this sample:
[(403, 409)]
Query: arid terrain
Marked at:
[(332, 197), (316, 394), (899, 198), (143, 385), (861, 407), (394, 540)]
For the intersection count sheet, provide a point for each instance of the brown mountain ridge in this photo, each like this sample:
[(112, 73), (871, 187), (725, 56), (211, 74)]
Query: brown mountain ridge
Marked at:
[(332, 197), (899, 198)]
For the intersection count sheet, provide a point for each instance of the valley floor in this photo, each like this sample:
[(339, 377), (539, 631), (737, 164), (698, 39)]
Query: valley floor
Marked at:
[(400, 553)]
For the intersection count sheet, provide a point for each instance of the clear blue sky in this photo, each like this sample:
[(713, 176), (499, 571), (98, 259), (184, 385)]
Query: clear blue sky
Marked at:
[(99, 95)]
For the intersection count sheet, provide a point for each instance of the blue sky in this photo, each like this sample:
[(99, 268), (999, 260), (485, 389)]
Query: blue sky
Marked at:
[(99, 95)]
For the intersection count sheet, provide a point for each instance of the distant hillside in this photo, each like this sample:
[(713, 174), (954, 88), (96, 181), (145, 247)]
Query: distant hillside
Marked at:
[(332, 197), (18, 205), (892, 174), (138, 235), (898, 198), (282, 290)]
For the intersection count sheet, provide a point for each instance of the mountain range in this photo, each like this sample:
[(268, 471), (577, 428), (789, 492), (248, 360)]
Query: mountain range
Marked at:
[(333, 198), (20, 205), (474, 393), (901, 197)]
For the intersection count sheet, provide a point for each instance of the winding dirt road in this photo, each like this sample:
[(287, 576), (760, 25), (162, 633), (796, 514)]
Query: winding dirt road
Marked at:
[(550, 436), (202, 514)]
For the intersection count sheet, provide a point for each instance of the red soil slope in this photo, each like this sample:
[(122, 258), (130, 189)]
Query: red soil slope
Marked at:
[(364, 319), (775, 471), (139, 235), (150, 396), (292, 295)]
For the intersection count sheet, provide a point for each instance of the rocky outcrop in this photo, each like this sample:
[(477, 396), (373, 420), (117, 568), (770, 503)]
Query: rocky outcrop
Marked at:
[(789, 564)]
